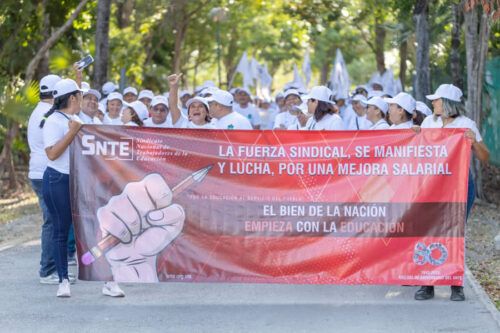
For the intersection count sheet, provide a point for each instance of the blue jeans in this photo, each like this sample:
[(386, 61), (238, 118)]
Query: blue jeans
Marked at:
[(47, 264), (56, 196), (471, 195)]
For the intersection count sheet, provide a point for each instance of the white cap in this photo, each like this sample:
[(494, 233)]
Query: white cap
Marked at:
[(376, 93), (209, 83), (140, 109), (159, 100), (197, 99), (292, 92), (279, 95), (84, 86), (359, 98), (146, 94), (208, 90), (48, 82), (64, 86), (92, 92), (233, 90), (184, 93), (379, 103), (448, 91), (222, 97), (130, 90), (404, 100), (422, 107), (115, 95), (320, 93), (108, 88)]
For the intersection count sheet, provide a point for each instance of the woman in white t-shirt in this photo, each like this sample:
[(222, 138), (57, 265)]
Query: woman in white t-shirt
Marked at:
[(197, 108), (114, 107), (375, 113), (60, 126), (321, 106), (449, 112), (401, 110)]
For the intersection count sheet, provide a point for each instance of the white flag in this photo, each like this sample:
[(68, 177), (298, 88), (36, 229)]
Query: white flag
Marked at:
[(244, 68), (306, 68), (339, 77), (297, 80)]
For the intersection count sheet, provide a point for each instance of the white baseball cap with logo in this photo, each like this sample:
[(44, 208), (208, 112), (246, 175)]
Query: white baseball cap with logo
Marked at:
[(159, 100), (320, 93), (140, 109), (222, 97), (92, 92), (146, 94), (448, 91), (404, 100), (422, 107), (48, 82), (379, 103), (115, 96), (130, 90), (65, 86), (108, 88)]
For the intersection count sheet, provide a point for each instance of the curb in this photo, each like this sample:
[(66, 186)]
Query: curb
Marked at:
[(483, 297)]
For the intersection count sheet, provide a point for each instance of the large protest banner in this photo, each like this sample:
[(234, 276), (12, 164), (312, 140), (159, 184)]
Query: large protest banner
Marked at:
[(366, 207)]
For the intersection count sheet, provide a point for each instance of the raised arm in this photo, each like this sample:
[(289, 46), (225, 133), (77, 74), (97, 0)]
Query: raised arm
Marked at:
[(173, 98)]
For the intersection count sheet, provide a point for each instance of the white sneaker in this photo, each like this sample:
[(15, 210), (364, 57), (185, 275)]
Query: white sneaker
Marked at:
[(112, 289), (50, 279), (63, 290)]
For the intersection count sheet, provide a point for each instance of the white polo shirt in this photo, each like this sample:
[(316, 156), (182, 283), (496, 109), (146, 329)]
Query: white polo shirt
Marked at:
[(38, 158), (87, 120), (405, 125), (329, 122), (458, 122), (233, 120), (55, 128), (380, 125), (192, 125)]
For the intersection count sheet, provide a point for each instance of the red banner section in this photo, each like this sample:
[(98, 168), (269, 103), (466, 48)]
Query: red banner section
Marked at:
[(366, 207)]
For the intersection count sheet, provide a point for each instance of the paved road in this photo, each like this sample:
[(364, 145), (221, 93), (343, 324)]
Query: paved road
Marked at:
[(26, 306)]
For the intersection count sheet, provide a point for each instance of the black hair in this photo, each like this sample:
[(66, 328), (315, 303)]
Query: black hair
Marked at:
[(419, 118), (135, 117), (60, 102), (46, 95), (322, 109)]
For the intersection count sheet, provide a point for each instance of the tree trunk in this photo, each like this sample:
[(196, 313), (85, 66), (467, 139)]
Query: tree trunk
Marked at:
[(6, 160), (403, 57), (325, 70), (455, 67), (124, 12), (101, 43), (423, 80), (379, 46), (181, 21), (477, 31)]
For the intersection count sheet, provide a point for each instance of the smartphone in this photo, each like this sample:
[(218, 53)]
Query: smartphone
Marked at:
[(85, 62)]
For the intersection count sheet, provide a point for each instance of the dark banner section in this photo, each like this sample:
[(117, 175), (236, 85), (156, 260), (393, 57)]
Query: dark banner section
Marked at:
[(367, 207)]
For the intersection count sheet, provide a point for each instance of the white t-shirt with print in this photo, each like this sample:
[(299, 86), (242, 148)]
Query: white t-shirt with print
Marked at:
[(329, 122), (55, 128), (38, 157), (458, 122), (250, 112), (233, 120), (284, 118)]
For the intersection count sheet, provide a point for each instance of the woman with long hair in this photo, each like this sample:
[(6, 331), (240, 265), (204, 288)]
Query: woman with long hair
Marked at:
[(321, 106), (448, 112)]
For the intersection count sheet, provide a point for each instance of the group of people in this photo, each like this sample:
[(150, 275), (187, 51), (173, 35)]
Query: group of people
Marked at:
[(66, 104)]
